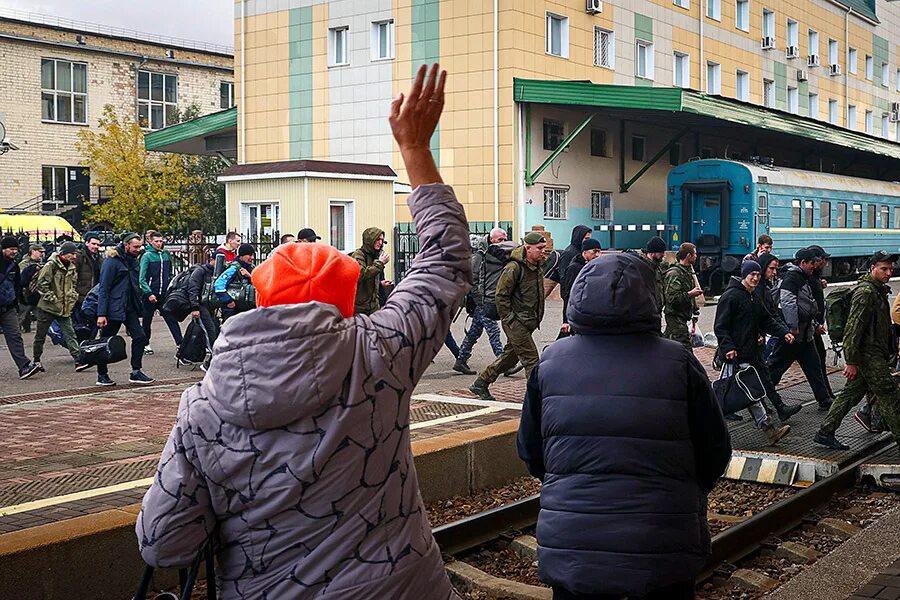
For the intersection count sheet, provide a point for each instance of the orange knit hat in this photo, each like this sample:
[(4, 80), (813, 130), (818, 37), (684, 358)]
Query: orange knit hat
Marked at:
[(297, 273)]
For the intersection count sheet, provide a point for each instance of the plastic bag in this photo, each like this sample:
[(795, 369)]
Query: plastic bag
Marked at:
[(697, 340)]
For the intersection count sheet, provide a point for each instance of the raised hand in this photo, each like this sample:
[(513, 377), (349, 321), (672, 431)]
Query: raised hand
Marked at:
[(413, 119)]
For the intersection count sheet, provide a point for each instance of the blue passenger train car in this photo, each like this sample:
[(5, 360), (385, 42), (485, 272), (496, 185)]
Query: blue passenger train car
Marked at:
[(723, 205)]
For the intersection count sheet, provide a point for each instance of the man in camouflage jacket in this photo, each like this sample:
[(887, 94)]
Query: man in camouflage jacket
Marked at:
[(867, 353), (680, 294)]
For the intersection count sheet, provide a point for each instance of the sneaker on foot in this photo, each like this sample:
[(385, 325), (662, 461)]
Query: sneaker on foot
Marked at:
[(79, 367), (828, 440), (29, 370), (461, 367), (105, 380), (180, 362), (864, 419), (148, 350), (139, 378)]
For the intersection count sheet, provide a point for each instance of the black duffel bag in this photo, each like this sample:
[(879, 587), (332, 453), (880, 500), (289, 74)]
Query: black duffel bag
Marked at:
[(104, 351), (195, 343), (737, 388)]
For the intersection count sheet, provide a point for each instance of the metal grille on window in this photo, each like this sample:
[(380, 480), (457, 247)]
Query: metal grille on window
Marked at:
[(601, 206), (762, 206), (602, 47), (554, 203)]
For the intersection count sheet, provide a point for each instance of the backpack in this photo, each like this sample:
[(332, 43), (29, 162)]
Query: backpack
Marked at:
[(29, 284), (551, 267), (837, 309), (492, 276), (177, 302), (195, 344)]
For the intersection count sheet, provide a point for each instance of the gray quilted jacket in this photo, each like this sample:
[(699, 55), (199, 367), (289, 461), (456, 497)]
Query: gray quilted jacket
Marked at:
[(296, 443)]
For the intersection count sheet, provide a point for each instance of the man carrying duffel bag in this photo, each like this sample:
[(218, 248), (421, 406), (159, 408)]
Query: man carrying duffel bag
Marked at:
[(231, 286)]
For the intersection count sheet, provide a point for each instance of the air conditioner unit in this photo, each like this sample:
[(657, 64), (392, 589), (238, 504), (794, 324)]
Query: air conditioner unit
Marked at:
[(793, 52), (894, 117), (170, 54), (80, 40), (835, 70), (895, 107), (594, 7), (802, 75), (813, 60), (768, 43)]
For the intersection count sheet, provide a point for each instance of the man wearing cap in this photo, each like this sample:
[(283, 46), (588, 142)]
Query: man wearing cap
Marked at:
[(680, 295), (56, 286), (242, 267), (590, 249), (654, 254), (10, 294), (372, 259), (520, 304), (120, 302), (307, 236), (800, 313), (29, 267), (868, 353)]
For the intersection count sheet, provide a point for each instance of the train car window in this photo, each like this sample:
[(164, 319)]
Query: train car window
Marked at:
[(842, 214), (808, 213), (870, 216), (857, 216), (897, 216), (825, 214), (885, 217), (762, 205), (795, 213)]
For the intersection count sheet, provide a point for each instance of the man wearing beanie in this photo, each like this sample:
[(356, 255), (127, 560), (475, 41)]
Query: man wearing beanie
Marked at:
[(520, 304), (590, 249), (654, 254), (120, 302), (680, 296), (10, 294), (741, 320), (58, 296), (300, 429), (372, 259), (241, 268)]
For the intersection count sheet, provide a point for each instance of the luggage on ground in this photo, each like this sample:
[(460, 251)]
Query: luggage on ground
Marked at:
[(195, 344)]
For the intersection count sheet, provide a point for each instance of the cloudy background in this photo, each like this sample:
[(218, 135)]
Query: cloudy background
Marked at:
[(200, 20)]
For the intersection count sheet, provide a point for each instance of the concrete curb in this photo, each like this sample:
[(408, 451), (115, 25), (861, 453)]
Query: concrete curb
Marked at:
[(525, 546), (468, 578)]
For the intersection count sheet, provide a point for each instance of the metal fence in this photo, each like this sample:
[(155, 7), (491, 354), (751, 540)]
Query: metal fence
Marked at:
[(406, 243)]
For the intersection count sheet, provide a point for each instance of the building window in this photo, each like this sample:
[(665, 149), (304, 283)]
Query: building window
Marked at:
[(870, 122), (885, 217), (557, 35), (897, 80), (813, 106), (842, 215), (682, 70), (832, 52), (337, 42), (157, 99), (675, 154), (713, 78), (55, 185), (742, 15), (683, 3), (555, 200), (808, 213), (795, 213), (857, 216), (341, 226), (714, 9), (554, 133), (742, 81), (768, 24), (793, 35), (851, 61), (885, 126), (604, 48), (833, 112), (226, 94), (383, 40), (63, 91), (601, 206), (768, 93), (638, 149), (870, 216), (870, 65), (260, 221), (851, 117), (643, 52), (825, 214), (793, 100), (812, 39), (598, 142), (885, 75)]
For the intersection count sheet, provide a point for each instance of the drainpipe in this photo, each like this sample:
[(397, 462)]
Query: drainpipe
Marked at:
[(243, 82), (846, 63), (522, 171), (700, 66), (496, 127)]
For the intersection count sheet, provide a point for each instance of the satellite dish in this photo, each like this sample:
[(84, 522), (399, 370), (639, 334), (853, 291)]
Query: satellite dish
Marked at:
[(5, 144)]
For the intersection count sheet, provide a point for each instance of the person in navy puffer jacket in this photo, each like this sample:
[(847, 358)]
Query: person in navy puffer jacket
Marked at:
[(627, 450)]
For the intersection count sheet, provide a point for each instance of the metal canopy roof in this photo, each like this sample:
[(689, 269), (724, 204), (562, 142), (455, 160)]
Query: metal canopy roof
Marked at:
[(211, 134), (695, 108)]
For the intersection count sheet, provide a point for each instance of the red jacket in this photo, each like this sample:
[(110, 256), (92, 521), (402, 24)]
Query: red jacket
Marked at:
[(230, 255)]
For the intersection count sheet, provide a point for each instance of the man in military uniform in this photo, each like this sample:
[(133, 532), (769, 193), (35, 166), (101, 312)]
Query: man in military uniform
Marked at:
[(654, 254), (520, 303), (680, 295), (867, 353)]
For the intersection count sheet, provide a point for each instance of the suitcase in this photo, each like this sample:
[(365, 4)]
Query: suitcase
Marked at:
[(104, 351)]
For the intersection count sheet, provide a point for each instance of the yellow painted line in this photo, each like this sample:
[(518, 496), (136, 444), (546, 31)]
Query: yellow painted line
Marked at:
[(735, 467), (451, 418), (36, 504)]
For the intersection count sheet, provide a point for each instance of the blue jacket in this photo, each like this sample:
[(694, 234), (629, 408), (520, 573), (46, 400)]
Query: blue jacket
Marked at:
[(119, 289), (627, 449), (220, 287)]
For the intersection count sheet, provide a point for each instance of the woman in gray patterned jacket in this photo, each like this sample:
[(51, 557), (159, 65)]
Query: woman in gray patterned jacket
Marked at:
[(296, 444)]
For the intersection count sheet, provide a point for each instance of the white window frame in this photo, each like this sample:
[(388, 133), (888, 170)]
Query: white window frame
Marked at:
[(386, 25), (244, 213), (55, 93), (683, 4), (230, 86), (742, 15), (885, 126), (851, 116), (793, 33), (769, 93), (812, 40), (648, 59), (682, 71), (713, 78), (349, 223), (870, 122), (599, 34), (833, 111), (897, 84), (870, 67), (150, 103), (56, 196), (563, 32), (793, 100), (852, 59), (833, 50), (768, 23), (885, 74), (742, 85), (597, 212), (813, 105), (714, 9), (558, 202), (335, 34)]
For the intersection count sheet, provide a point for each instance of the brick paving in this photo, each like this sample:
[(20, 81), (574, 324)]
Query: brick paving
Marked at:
[(884, 586)]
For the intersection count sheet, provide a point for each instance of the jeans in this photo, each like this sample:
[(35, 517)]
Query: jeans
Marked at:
[(450, 342), (9, 321), (480, 323), (683, 590), (804, 353), (171, 323), (138, 340), (757, 409), (44, 320)]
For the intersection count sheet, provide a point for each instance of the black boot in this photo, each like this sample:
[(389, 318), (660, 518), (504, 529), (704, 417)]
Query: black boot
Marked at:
[(461, 367), (480, 387), (785, 411)]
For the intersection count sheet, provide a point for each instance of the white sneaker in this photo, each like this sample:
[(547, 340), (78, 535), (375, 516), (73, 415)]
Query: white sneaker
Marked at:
[(148, 350)]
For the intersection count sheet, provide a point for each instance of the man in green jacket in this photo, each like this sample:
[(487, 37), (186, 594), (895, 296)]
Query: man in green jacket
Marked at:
[(155, 275), (520, 304), (680, 295), (372, 259), (29, 267), (867, 353), (56, 285)]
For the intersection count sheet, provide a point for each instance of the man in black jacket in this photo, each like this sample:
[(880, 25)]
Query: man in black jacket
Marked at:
[(10, 294), (590, 249), (741, 322), (197, 280), (817, 284), (579, 234)]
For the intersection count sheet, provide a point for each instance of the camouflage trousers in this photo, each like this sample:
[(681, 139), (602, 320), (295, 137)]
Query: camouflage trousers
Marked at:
[(874, 378), (677, 331), (519, 347)]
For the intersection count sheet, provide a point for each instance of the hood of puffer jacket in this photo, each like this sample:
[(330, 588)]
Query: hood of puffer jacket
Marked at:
[(612, 295), (119, 251), (578, 233), (369, 236), (273, 366)]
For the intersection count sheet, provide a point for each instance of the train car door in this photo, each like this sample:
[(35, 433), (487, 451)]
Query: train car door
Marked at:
[(706, 218)]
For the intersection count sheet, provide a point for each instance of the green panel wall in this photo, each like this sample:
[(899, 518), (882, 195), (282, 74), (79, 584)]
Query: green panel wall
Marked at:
[(803, 91), (426, 49), (781, 86), (881, 54), (643, 27), (300, 83)]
